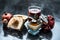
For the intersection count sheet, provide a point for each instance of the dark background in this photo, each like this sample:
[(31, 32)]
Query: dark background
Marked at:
[(49, 7)]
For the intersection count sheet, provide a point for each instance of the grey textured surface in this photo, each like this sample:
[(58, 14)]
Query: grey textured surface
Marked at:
[(49, 7)]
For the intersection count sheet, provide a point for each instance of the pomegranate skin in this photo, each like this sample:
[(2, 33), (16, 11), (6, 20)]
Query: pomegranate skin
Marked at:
[(50, 23), (6, 16)]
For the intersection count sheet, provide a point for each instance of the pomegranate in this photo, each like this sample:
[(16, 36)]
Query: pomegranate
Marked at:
[(6, 16), (50, 23)]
